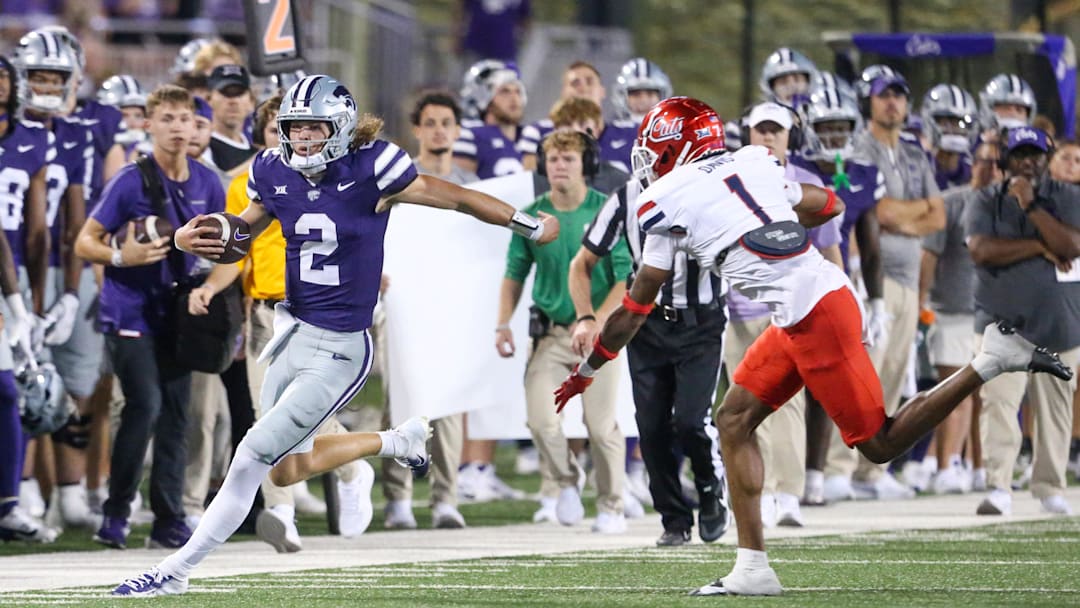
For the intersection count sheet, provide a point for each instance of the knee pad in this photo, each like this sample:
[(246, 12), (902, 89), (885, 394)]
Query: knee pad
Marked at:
[(76, 433), (259, 446)]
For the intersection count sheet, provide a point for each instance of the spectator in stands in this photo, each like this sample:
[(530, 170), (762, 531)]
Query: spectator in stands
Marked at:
[(232, 101), (436, 120), (583, 115), (911, 208), (553, 317), (491, 29), (204, 127), (134, 299), (947, 289), (495, 95), (1065, 163), (1024, 237)]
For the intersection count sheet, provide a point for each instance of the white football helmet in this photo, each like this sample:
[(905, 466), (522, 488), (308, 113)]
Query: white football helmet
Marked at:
[(829, 106), (317, 98), (1006, 88), (185, 59), (781, 62), (866, 78), (45, 51), (122, 91), (481, 82), (828, 80), (948, 117), (638, 74), (43, 405)]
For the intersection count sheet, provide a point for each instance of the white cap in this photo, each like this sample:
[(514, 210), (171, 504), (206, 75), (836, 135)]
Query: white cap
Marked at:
[(770, 111)]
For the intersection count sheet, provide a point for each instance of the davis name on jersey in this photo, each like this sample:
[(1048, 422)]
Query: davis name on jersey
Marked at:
[(27, 148), (706, 207), (333, 236)]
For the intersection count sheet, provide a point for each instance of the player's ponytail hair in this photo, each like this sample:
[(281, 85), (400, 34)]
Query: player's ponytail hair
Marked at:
[(367, 129)]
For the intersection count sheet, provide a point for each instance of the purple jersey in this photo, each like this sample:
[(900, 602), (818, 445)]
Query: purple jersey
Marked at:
[(71, 167), (495, 155), (532, 134), (491, 27), (134, 300), (961, 176), (867, 188), (26, 148), (615, 141), (104, 122), (333, 237)]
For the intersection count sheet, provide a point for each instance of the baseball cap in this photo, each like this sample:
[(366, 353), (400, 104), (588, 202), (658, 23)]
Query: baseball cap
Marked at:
[(203, 109), (770, 111), (879, 84), (1027, 136), (228, 75)]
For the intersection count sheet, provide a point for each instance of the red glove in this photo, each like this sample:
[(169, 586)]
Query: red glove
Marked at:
[(575, 384)]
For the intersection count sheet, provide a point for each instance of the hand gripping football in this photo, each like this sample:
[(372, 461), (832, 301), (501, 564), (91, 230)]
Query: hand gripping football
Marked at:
[(234, 233), (147, 228)]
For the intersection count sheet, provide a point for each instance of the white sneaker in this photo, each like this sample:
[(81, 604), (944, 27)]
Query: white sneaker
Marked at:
[(18, 525), (30, 498), (96, 498), (609, 523), (917, 475), (998, 502), (632, 508), (1024, 480), (814, 488), (1006, 351), (788, 512), (306, 502), (416, 431), (837, 488), (497, 487), (277, 527), (978, 480), (950, 481), (445, 516), (354, 501), (744, 581), (546, 512), (768, 510), (1057, 505), (527, 461), (75, 509), (568, 508), (885, 488), (399, 515), (638, 485), (470, 486)]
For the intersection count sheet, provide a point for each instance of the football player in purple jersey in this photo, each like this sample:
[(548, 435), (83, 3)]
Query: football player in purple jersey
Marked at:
[(331, 184), (494, 101)]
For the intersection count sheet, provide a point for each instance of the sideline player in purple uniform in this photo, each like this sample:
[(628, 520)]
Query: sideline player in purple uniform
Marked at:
[(330, 184), (15, 523), (494, 100)]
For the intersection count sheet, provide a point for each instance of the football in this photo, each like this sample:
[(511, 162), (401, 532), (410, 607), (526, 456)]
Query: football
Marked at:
[(147, 229), (233, 232)]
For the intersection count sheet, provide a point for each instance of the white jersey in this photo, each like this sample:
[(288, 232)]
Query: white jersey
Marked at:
[(706, 207)]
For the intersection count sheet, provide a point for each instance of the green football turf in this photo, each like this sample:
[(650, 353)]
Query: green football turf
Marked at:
[(1022, 564)]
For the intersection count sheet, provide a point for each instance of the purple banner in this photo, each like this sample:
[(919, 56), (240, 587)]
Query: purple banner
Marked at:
[(925, 45), (1054, 49)]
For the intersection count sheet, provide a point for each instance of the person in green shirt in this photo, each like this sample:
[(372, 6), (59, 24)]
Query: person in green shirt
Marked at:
[(575, 205)]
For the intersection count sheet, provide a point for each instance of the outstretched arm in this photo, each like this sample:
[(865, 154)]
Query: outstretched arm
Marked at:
[(817, 206), (431, 191)]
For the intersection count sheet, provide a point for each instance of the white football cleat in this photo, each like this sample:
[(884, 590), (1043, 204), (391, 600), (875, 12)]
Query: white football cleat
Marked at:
[(1013, 353), (18, 525), (744, 581), (399, 515), (354, 501), (416, 431), (277, 527), (151, 583)]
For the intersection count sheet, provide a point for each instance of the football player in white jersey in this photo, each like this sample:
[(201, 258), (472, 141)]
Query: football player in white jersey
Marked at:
[(735, 213)]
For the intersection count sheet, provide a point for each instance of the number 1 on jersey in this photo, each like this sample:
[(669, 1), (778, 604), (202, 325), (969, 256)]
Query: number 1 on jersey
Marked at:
[(738, 189)]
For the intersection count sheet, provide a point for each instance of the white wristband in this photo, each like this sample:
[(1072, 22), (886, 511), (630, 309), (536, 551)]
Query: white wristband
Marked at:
[(585, 370), (527, 226), (117, 258), (16, 305)]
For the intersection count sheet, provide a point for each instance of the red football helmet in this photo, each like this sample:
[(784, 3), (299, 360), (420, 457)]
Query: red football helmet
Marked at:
[(677, 131)]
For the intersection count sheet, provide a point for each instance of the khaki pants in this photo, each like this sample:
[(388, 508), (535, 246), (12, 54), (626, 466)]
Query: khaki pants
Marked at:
[(891, 361), (1051, 401), (208, 409), (446, 441), (548, 366), (782, 436), (260, 330)]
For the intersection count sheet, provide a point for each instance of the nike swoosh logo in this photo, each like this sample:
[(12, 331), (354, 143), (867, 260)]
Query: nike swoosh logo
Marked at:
[(855, 189), (25, 148), (618, 144), (337, 357), (344, 187), (70, 144), (239, 236)]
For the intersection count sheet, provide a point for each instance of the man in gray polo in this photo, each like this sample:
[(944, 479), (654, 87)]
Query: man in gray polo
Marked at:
[(1024, 236), (911, 208)]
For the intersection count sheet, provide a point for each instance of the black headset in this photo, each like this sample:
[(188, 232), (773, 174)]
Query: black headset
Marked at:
[(590, 155), (796, 138)]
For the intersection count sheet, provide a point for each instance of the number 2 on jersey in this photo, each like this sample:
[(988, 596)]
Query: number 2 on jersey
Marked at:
[(734, 183), (327, 243)]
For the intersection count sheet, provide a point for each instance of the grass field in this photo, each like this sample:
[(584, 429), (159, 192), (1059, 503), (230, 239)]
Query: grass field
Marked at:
[(1028, 564)]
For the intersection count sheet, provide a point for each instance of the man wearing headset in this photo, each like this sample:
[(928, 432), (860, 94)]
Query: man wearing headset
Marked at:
[(552, 320), (1024, 237)]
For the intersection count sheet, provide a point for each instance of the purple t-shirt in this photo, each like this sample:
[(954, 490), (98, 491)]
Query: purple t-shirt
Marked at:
[(492, 26), (867, 188), (495, 155), (27, 148), (134, 300), (333, 236), (740, 307), (71, 167), (104, 122), (615, 141)]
